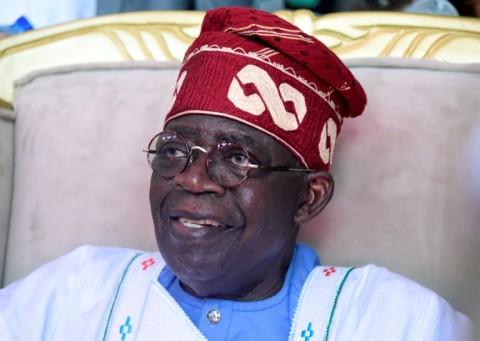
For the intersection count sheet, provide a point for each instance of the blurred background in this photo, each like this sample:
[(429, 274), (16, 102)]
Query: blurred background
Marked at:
[(17, 16)]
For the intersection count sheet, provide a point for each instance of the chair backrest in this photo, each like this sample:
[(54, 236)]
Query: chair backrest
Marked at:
[(80, 100)]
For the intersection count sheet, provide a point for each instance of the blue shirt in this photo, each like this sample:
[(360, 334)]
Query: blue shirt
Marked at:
[(269, 319)]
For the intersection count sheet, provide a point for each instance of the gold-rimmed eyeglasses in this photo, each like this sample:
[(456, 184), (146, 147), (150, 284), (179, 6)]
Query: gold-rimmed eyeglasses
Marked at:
[(228, 163)]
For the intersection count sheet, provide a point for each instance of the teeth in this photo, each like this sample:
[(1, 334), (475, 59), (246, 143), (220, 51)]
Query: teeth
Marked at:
[(196, 224)]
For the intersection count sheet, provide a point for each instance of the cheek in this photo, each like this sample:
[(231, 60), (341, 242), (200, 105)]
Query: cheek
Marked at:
[(159, 187), (272, 204), (248, 194), (269, 231)]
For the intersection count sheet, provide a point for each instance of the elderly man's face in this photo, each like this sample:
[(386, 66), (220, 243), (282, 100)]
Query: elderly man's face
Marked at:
[(232, 242)]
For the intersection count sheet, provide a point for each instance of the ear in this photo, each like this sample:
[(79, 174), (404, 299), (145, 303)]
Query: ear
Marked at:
[(319, 191)]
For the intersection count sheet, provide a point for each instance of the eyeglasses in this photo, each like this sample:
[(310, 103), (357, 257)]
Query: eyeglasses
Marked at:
[(228, 163)]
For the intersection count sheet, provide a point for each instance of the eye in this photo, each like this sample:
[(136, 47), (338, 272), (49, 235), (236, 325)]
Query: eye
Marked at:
[(233, 154), (239, 159), (172, 150)]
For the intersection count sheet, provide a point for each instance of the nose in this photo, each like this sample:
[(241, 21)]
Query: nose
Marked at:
[(195, 177)]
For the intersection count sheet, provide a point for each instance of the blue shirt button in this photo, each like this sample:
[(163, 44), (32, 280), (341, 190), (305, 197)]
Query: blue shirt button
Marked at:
[(214, 316)]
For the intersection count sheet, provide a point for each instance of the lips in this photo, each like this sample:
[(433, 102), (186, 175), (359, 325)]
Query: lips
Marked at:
[(203, 226), (199, 223)]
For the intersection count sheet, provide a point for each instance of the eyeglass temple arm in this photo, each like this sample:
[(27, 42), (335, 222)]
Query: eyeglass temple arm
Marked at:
[(286, 169), (149, 151)]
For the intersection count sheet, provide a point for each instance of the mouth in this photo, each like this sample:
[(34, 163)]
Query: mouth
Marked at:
[(198, 228), (199, 223)]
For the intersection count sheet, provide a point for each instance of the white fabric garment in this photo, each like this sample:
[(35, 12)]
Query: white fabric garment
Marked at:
[(82, 295)]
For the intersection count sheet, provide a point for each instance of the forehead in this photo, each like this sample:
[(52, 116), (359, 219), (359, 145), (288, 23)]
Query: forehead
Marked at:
[(209, 130)]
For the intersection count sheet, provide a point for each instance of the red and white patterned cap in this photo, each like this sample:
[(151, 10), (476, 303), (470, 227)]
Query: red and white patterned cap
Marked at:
[(256, 68)]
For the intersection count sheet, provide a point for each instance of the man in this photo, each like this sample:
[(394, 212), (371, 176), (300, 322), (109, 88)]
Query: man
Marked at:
[(242, 162)]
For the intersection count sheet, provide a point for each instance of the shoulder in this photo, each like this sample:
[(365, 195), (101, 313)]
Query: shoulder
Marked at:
[(394, 305), (83, 260), (80, 282), (372, 280), (95, 266), (86, 262)]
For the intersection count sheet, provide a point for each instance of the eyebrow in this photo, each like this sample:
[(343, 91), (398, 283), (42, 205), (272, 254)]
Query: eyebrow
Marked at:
[(254, 147), (187, 132), (243, 139)]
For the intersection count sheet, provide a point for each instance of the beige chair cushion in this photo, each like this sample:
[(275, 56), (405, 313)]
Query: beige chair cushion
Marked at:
[(6, 179), (80, 174), (403, 170)]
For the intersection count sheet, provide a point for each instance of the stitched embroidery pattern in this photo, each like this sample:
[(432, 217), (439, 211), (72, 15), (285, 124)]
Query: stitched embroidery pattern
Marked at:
[(335, 303), (287, 70), (329, 271), (266, 53), (116, 294), (125, 329), (308, 333), (268, 95), (270, 31), (147, 263), (324, 291), (329, 131)]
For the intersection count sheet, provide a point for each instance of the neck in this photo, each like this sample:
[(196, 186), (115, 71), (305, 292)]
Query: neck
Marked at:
[(262, 288)]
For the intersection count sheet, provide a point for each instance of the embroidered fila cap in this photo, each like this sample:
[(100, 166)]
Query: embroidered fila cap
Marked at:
[(256, 68)]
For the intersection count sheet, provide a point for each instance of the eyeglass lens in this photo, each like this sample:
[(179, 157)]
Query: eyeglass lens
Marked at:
[(228, 163)]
